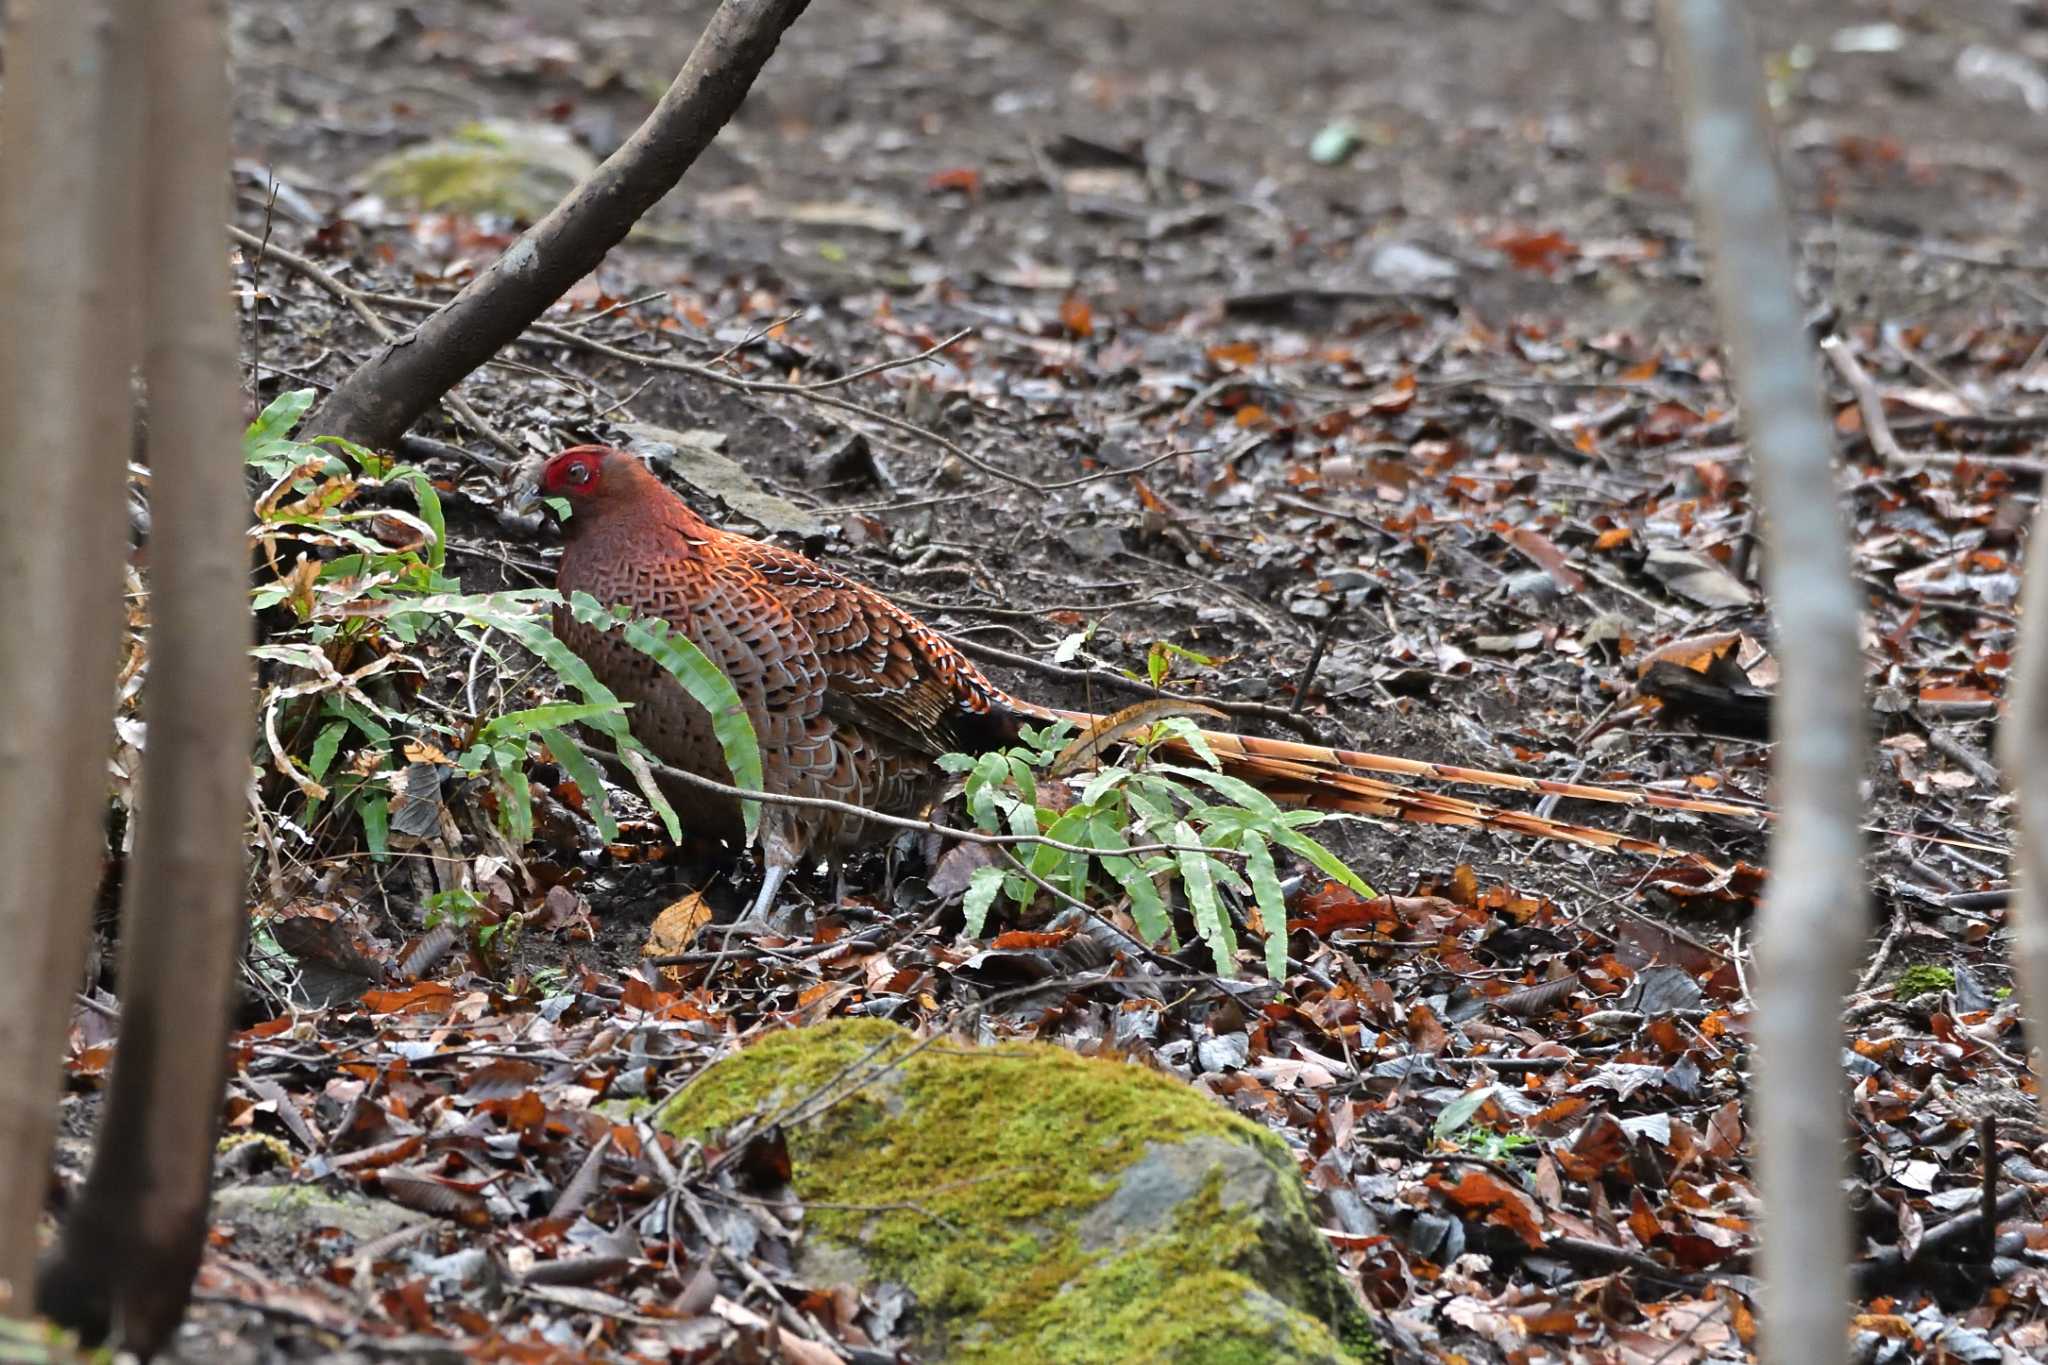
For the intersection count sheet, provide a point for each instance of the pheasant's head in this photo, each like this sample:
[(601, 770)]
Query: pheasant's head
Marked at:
[(585, 475), (598, 483), (604, 486)]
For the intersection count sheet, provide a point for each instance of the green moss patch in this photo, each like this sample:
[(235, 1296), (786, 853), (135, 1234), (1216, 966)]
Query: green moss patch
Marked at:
[(1041, 1206), (512, 169), (1923, 979)]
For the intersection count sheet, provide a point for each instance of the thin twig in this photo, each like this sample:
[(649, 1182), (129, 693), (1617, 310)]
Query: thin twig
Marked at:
[(810, 390), (1883, 954), (814, 391), (1869, 401), (1157, 958), (256, 284), (1315, 661), (753, 336), (969, 836), (1987, 1205), (619, 307)]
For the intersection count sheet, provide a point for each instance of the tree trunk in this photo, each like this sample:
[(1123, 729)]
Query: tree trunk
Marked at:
[(182, 919), (1814, 914), (2023, 754), (69, 123), (389, 391)]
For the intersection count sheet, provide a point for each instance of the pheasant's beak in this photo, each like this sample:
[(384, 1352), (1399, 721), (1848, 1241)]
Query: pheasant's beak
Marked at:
[(524, 493)]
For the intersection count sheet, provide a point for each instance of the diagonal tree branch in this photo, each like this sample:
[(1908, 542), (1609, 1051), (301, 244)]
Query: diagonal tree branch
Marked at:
[(374, 405)]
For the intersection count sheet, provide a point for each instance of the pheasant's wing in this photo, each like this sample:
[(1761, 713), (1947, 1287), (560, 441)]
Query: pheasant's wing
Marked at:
[(887, 672), (727, 611)]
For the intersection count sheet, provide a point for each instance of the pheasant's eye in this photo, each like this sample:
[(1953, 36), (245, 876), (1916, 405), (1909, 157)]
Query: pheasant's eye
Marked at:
[(579, 474)]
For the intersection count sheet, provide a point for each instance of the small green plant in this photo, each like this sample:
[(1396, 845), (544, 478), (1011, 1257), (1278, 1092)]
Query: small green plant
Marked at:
[(458, 908), (1454, 1125), (1221, 831), (1495, 1145), (369, 601), (1923, 979), (469, 915), (1159, 661)]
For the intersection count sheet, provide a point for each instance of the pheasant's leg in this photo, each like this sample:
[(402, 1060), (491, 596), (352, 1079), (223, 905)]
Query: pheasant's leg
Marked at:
[(772, 876), (782, 848)]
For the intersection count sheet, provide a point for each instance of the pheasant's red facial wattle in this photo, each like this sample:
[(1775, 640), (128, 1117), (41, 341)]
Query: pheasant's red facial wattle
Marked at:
[(576, 473)]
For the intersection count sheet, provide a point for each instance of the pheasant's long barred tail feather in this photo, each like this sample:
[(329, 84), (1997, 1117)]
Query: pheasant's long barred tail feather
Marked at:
[(853, 698), (1333, 779), (1324, 786), (1254, 747)]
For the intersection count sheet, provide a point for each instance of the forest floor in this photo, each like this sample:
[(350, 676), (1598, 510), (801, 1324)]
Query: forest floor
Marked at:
[(1370, 333)]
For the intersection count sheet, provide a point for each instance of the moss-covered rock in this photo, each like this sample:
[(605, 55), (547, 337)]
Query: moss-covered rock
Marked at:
[(517, 170), (1041, 1206)]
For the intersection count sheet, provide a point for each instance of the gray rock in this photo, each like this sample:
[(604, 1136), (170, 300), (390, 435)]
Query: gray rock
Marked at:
[(697, 457), (306, 1209)]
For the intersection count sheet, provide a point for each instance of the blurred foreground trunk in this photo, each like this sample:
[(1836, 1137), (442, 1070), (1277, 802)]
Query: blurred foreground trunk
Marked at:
[(1813, 915), (69, 122), (72, 197)]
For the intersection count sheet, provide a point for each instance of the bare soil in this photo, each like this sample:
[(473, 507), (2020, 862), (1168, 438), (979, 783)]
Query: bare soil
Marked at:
[(1365, 375)]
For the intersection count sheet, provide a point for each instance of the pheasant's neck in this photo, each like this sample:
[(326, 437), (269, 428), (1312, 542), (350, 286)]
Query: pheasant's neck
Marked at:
[(602, 546)]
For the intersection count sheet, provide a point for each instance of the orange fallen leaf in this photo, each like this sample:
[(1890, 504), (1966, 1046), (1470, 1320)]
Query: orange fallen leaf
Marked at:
[(1235, 353), (1479, 1191), (1076, 316), (414, 999), (677, 927), (1542, 252), (964, 179)]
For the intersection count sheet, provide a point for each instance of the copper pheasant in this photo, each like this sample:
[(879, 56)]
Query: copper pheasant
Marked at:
[(852, 698)]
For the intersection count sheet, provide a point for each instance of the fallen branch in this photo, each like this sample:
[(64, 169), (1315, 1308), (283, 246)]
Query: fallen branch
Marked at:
[(1883, 1269), (814, 391), (360, 301), (1869, 402)]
